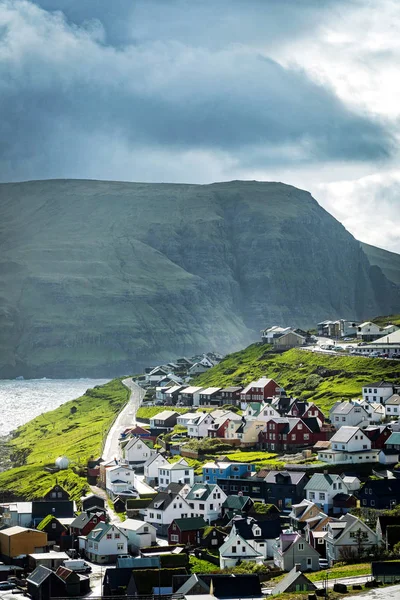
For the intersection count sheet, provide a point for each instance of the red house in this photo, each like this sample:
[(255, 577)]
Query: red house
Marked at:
[(85, 522), (218, 428), (291, 434), (260, 390), (378, 434), (186, 531), (305, 410)]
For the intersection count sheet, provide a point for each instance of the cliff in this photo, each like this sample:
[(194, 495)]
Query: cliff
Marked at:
[(103, 278)]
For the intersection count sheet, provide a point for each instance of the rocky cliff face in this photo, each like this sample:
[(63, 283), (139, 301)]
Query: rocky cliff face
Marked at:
[(102, 278)]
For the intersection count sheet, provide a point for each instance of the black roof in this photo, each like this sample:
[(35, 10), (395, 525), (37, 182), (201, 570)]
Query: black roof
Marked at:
[(269, 529), (39, 575), (385, 568), (382, 487), (312, 423), (118, 577), (62, 508), (83, 519), (239, 586), (385, 521)]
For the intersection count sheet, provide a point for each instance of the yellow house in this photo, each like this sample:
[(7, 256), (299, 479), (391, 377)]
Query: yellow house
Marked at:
[(17, 540)]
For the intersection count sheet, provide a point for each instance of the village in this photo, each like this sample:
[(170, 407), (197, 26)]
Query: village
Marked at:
[(236, 492)]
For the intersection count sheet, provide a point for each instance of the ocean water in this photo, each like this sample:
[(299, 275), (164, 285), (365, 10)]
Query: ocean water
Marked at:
[(21, 401)]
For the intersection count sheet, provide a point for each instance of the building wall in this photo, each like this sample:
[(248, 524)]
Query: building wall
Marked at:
[(29, 541)]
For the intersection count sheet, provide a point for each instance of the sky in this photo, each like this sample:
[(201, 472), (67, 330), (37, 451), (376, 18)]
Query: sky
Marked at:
[(305, 92)]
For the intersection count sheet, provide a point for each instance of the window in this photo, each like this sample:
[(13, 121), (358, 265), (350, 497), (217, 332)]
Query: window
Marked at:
[(372, 502), (117, 536), (233, 549), (343, 419), (320, 541), (322, 496), (151, 515), (309, 562), (53, 525), (201, 506), (109, 536), (300, 547), (306, 436), (293, 436), (159, 516), (120, 546), (174, 538), (311, 495)]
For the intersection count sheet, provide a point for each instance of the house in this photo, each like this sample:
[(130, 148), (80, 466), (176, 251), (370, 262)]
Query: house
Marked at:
[(236, 549), (92, 503), (260, 411), (140, 534), (387, 528), (177, 472), (315, 532), (172, 393), (190, 396), (205, 500), (323, 487), (51, 560), (17, 540), (294, 581), (219, 428), (119, 479), (389, 344), (380, 493), (236, 505), (16, 513), (54, 528), (247, 433), (260, 390), (43, 583), (261, 535), (291, 549), (379, 391), (151, 467), (349, 414), (289, 339), (392, 406), (291, 434), (136, 451), (305, 410), (210, 396), (212, 537), (349, 445), (338, 328), (214, 586), (186, 531), (164, 420), (104, 543), (155, 375), (60, 506), (198, 427), (284, 488), (212, 471), (302, 513), (348, 538), (197, 369), (352, 483), (376, 412), (164, 508), (119, 581), (75, 584), (85, 522), (186, 418), (368, 331), (230, 395), (378, 434)]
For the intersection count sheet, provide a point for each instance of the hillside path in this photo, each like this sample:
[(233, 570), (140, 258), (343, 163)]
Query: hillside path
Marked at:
[(126, 418)]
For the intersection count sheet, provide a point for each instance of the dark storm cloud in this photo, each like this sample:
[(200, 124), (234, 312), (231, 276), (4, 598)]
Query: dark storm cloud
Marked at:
[(67, 95)]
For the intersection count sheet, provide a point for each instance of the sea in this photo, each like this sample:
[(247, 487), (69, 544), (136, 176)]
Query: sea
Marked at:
[(22, 400)]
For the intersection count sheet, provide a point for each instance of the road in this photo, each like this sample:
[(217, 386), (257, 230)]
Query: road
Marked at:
[(126, 418)]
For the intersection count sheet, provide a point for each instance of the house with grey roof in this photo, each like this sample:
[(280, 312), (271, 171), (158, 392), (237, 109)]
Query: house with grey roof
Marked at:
[(378, 391), (348, 413), (199, 425), (164, 508), (236, 549), (104, 543), (348, 537), (323, 487), (349, 445), (392, 406), (294, 581), (205, 500)]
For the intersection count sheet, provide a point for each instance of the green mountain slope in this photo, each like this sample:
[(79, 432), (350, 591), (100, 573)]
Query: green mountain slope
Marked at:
[(388, 262), (107, 277), (320, 378)]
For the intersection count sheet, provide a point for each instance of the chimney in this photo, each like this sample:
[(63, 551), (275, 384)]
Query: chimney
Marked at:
[(297, 566), (325, 471)]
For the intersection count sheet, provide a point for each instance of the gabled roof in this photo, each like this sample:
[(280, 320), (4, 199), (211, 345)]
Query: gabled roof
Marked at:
[(190, 523), (134, 524), (345, 434), (237, 586), (101, 530), (394, 438), (83, 519), (39, 575), (290, 580), (163, 415), (262, 382), (224, 549), (251, 529), (379, 384), (393, 400), (189, 584), (323, 481), (201, 491), (192, 389), (210, 390), (235, 502), (293, 476), (153, 458)]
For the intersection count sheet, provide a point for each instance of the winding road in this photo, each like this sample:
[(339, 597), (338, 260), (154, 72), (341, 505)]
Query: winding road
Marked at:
[(126, 418)]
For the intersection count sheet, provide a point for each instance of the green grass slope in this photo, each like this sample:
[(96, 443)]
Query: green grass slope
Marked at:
[(76, 429), (387, 320), (321, 378), (388, 262)]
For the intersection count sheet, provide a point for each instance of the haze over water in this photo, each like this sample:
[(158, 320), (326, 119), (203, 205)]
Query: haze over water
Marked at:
[(21, 401)]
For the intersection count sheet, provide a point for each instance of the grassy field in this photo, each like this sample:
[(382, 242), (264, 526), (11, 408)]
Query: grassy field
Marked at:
[(147, 412), (321, 378), (386, 320), (76, 429), (344, 571)]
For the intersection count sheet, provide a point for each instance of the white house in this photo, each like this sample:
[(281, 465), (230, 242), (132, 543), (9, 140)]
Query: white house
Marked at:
[(392, 406), (236, 549), (323, 487), (261, 535), (135, 451), (104, 543), (198, 427), (376, 412), (186, 418), (151, 467), (352, 483), (348, 414), (349, 445), (197, 369), (190, 396), (164, 508), (156, 375), (346, 537), (119, 479), (205, 500), (177, 472), (379, 391), (139, 534), (291, 549), (260, 411), (367, 332)]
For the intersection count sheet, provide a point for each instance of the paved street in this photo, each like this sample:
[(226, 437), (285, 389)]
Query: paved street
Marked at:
[(126, 418)]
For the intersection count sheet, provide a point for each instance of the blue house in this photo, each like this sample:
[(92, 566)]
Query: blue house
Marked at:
[(226, 470)]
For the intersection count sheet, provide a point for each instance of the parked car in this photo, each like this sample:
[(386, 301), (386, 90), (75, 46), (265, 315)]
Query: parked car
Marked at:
[(374, 355), (323, 563)]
